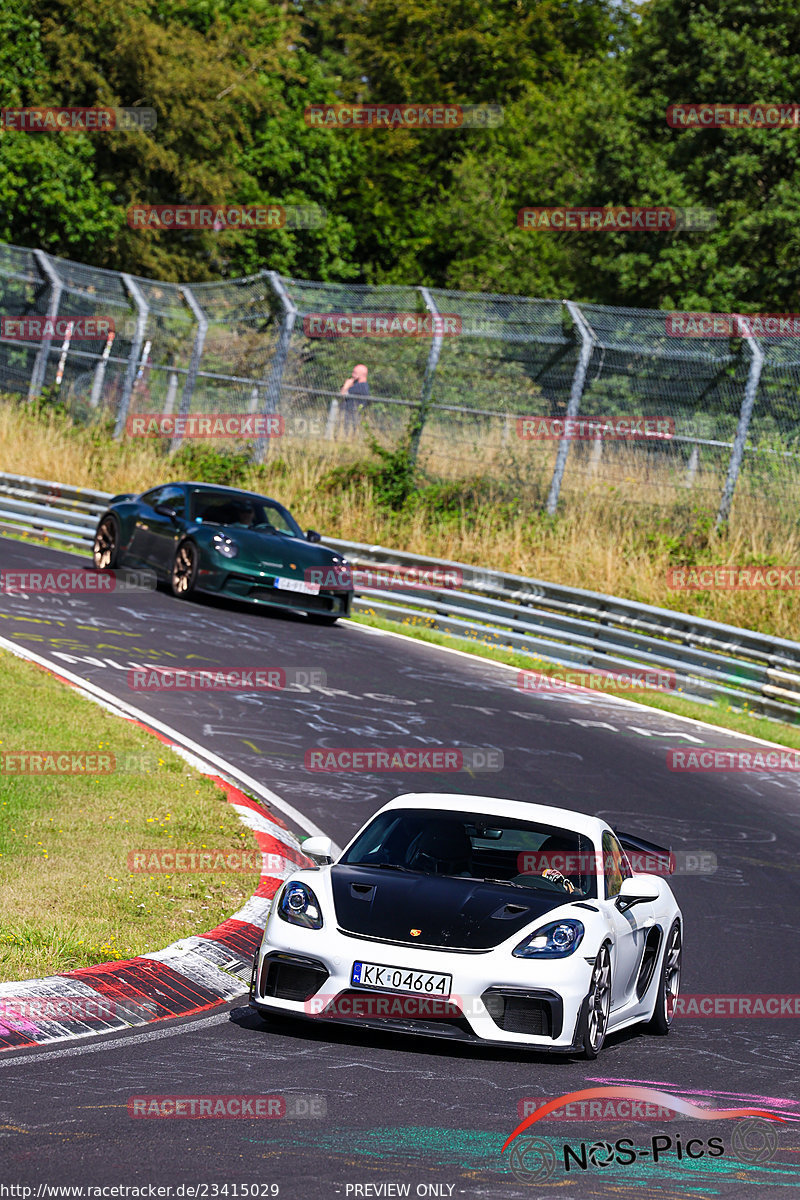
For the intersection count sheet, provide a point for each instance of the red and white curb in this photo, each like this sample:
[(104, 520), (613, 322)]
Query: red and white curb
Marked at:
[(192, 975)]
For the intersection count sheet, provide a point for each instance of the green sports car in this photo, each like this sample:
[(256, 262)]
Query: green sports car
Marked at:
[(200, 537)]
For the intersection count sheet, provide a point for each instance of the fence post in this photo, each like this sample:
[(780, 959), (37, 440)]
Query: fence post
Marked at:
[(142, 310), (588, 340), (427, 381), (56, 288), (737, 453), (194, 361), (172, 391), (100, 372), (273, 384)]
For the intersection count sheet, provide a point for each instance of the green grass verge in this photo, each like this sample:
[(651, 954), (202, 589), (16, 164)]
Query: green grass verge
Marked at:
[(720, 713), (52, 541), (67, 896)]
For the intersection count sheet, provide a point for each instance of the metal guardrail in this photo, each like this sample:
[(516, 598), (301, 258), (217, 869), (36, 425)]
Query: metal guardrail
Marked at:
[(568, 626)]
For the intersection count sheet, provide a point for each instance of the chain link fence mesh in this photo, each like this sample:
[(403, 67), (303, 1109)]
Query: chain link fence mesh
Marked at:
[(263, 345)]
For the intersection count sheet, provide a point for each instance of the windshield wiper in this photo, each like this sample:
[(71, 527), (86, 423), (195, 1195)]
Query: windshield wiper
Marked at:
[(383, 867), (508, 883)]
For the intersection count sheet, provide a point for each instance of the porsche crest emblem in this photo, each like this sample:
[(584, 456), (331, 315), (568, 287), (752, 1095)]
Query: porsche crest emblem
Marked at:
[(415, 932)]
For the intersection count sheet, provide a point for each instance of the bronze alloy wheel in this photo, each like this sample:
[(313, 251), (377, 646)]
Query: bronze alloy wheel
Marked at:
[(106, 544), (184, 570)]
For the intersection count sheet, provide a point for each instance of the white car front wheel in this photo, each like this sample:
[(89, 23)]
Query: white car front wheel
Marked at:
[(597, 1005), (669, 984)]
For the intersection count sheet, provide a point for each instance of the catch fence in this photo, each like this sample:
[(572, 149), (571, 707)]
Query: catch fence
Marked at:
[(466, 369)]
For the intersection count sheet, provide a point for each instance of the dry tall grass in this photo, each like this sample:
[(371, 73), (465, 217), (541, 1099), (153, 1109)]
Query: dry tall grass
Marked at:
[(618, 538)]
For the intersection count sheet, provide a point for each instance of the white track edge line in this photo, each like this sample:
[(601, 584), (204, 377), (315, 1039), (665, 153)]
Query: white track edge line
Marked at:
[(96, 693), (587, 692)]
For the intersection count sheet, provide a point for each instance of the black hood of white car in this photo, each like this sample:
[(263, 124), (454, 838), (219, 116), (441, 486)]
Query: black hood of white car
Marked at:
[(450, 912)]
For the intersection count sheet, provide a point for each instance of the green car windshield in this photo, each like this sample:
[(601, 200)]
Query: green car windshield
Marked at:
[(249, 512)]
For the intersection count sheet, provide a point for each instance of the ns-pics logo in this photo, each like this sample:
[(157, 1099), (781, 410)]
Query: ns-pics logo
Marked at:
[(534, 1159)]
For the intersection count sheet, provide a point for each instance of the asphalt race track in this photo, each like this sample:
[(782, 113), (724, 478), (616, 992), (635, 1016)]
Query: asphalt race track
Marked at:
[(399, 1111)]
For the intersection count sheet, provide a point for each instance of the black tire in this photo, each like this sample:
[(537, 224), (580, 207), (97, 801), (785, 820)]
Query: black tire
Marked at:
[(597, 1005), (669, 984), (253, 974), (321, 619), (105, 549), (183, 576)]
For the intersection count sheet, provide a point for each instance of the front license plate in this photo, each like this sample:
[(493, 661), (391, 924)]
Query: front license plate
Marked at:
[(297, 585), (400, 979)]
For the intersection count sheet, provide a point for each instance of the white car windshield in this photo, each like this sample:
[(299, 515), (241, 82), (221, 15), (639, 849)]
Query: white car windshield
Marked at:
[(503, 850)]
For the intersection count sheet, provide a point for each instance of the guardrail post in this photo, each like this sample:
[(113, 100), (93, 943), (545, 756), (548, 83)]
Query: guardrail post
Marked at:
[(143, 312), (748, 402), (588, 340), (418, 421), (194, 361), (273, 385), (56, 288)]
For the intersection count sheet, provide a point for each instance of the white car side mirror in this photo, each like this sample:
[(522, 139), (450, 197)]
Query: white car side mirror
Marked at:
[(319, 849), (641, 889)]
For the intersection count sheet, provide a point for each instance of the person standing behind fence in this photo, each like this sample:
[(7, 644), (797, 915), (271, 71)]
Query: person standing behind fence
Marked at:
[(355, 386)]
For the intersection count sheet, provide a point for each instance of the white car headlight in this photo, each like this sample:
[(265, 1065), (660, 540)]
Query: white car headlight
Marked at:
[(299, 906), (552, 941)]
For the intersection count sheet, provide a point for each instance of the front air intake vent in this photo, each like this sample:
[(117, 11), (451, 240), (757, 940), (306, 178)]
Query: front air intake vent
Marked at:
[(291, 978), (531, 1013)]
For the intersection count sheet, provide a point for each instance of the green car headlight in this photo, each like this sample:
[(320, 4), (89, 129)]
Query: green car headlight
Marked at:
[(224, 545)]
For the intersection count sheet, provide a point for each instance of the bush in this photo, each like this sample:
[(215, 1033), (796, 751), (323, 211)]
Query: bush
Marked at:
[(209, 465)]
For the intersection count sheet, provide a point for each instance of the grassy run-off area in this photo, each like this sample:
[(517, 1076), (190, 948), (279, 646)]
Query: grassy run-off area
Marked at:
[(68, 897), (612, 539)]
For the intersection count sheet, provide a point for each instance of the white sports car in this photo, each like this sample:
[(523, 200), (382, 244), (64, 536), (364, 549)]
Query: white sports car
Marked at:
[(476, 918)]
